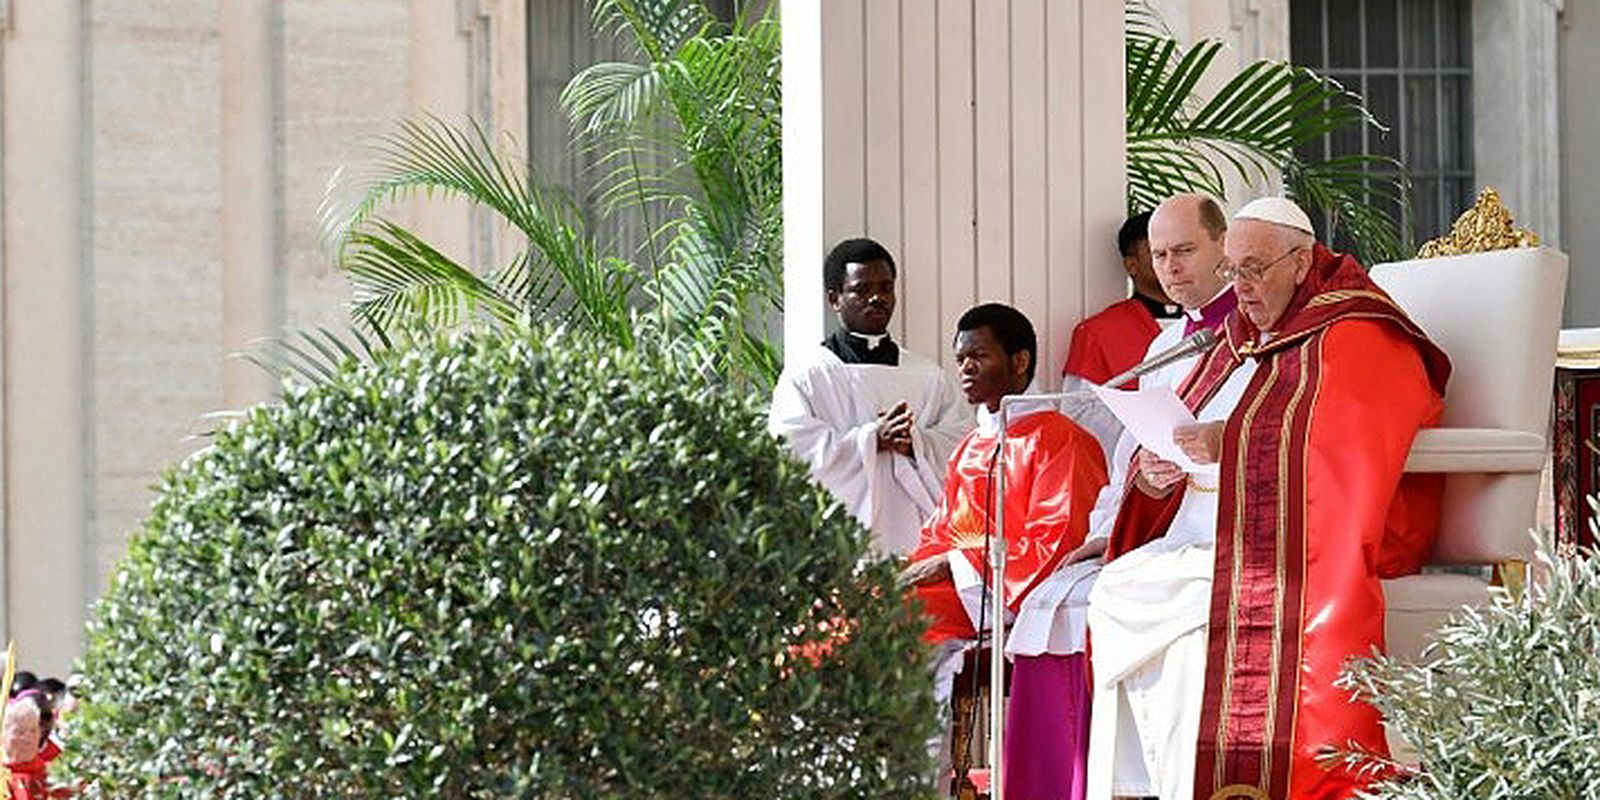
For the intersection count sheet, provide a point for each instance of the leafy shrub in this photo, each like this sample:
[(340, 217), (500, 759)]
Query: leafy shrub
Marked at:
[(1506, 701), (502, 567)]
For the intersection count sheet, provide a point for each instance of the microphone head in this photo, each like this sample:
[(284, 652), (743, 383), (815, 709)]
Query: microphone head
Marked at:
[(1203, 340)]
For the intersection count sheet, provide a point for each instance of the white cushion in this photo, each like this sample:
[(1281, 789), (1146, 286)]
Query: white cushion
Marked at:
[(1418, 604), (1476, 450), (1497, 315)]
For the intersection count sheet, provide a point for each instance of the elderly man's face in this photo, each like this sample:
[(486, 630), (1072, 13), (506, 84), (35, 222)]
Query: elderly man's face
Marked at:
[(1268, 261), (1184, 255)]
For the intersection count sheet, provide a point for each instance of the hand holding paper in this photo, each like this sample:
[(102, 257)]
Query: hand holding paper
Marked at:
[(1151, 415), (1202, 441)]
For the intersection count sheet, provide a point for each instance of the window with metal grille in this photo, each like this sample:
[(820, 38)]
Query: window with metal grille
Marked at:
[(562, 43), (1412, 62)]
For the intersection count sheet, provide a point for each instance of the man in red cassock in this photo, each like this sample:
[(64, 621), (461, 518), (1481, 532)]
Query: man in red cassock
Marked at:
[(1108, 343), (1235, 593), (1054, 471)]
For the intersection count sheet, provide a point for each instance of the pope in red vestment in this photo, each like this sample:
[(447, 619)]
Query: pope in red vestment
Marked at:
[(1312, 508)]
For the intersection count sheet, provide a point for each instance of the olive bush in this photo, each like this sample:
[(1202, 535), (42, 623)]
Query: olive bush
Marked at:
[(1505, 704), (527, 566)]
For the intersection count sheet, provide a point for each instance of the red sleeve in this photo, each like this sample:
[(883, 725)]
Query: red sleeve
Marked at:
[(936, 535), (1086, 355), (1141, 518), (941, 605), (1375, 396), (1068, 473)]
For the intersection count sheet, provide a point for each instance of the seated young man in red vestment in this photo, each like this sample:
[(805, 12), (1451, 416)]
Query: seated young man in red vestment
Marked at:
[(1054, 471), (1233, 594)]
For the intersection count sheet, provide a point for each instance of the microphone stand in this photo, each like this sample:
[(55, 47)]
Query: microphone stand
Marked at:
[(997, 594)]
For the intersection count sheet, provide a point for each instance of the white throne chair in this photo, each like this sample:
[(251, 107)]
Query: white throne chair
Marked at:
[(1497, 315)]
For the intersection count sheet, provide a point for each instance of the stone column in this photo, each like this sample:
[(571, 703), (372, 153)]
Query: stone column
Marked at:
[(507, 89), (1260, 29), (1516, 120), (47, 429), (250, 56), (1580, 159), (440, 84), (1255, 29), (803, 152)]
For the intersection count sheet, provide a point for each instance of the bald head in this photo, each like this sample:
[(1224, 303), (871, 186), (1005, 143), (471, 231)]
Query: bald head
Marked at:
[(1198, 209), (1186, 236)]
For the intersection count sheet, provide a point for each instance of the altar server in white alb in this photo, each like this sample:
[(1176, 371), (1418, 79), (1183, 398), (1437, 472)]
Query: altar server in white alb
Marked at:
[(875, 422)]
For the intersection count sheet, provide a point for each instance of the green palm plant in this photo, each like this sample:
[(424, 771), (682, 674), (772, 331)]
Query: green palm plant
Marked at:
[(402, 281), (693, 129), (1251, 128), (688, 134)]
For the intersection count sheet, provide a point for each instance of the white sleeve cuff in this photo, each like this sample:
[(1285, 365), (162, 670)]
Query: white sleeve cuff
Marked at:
[(969, 587)]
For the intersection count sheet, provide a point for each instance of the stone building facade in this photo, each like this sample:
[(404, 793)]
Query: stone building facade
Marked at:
[(1533, 119), (163, 162)]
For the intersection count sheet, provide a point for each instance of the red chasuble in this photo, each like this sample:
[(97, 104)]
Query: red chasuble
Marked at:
[(30, 780), (1054, 471), (1312, 511), (1108, 343)]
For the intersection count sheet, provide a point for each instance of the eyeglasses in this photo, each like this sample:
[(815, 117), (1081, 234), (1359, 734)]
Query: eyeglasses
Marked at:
[(1227, 271)]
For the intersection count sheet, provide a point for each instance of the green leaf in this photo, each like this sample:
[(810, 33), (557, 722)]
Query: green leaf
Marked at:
[(1250, 128), (480, 557)]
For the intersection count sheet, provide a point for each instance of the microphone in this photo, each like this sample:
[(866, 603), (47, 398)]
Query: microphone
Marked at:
[(1200, 341)]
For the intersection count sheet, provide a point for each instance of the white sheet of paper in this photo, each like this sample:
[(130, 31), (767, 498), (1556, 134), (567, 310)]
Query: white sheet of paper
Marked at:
[(1150, 414)]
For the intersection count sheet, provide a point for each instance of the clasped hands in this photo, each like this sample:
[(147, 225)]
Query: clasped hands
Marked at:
[(894, 429), (1201, 442)]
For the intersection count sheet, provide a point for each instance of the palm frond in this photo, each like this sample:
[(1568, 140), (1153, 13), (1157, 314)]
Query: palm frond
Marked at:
[(1249, 128), (657, 27), (1144, 22), (691, 135), (525, 287), (1161, 79), (1273, 106), (615, 95), (1355, 191), (1158, 170), (715, 110), (719, 303), (402, 280), (602, 298), (697, 141), (315, 356), (429, 156)]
